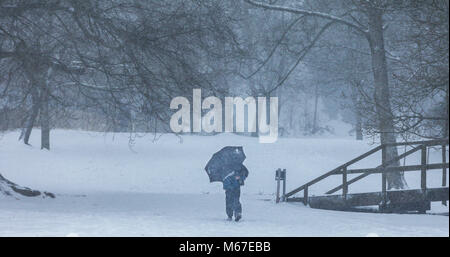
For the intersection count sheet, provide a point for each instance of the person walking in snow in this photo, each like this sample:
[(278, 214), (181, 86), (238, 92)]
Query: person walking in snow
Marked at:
[(232, 185)]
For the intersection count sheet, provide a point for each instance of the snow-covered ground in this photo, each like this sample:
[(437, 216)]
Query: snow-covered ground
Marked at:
[(106, 187)]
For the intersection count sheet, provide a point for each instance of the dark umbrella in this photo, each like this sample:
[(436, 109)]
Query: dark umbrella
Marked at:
[(225, 161)]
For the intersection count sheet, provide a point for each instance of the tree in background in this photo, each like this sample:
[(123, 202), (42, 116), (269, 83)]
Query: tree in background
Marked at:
[(365, 18), (421, 90), (120, 60)]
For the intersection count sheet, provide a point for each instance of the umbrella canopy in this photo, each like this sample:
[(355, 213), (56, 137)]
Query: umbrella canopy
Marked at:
[(225, 161)]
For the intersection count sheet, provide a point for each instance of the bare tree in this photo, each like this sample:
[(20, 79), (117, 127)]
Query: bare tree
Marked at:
[(365, 18), (123, 60)]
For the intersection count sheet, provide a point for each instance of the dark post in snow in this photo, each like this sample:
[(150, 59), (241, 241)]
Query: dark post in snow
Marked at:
[(280, 175), (344, 182), (305, 196), (423, 170), (277, 178), (283, 178), (444, 169)]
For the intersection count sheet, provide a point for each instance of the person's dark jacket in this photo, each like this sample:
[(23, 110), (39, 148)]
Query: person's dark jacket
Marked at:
[(230, 182)]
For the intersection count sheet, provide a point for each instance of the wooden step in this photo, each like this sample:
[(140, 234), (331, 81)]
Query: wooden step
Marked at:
[(397, 201)]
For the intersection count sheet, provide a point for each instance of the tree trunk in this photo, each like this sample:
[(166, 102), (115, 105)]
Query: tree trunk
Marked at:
[(45, 115), (291, 119), (256, 133), (358, 127), (316, 101), (305, 115), (45, 122), (356, 109), (35, 106), (382, 95)]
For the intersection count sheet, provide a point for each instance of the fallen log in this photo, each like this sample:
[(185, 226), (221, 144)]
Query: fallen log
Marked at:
[(12, 189)]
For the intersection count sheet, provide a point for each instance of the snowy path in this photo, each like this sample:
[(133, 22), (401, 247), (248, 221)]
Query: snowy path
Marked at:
[(160, 188), (130, 214)]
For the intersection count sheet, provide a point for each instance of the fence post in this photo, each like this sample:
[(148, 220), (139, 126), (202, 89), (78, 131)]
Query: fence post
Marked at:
[(423, 169), (344, 182), (305, 196), (277, 177), (383, 177), (444, 169), (283, 198)]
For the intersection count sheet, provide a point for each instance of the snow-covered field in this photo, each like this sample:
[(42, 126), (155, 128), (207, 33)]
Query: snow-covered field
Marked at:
[(107, 187)]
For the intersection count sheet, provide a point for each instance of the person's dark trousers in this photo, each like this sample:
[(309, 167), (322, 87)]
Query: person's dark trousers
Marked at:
[(232, 202)]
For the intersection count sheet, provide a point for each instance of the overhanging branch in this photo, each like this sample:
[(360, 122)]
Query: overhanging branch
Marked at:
[(6, 54), (326, 16), (302, 56)]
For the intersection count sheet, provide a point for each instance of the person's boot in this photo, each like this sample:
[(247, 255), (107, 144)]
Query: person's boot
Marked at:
[(238, 217), (230, 218)]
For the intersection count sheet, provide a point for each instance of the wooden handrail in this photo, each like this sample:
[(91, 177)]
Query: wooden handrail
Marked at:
[(379, 169), (367, 172), (426, 143), (334, 171), (415, 149), (384, 167), (298, 189), (351, 181), (433, 166)]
